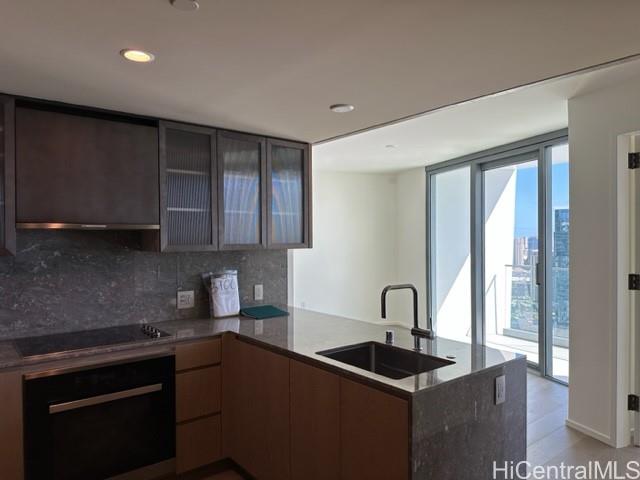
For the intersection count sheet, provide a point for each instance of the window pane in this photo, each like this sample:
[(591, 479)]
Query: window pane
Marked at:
[(559, 291), (510, 258), (451, 254)]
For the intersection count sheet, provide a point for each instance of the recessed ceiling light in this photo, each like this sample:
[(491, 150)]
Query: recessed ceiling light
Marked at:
[(185, 5), (342, 108), (390, 146), (138, 56)]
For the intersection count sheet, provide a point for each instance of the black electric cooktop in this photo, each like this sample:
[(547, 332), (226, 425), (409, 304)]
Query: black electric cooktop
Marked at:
[(66, 342)]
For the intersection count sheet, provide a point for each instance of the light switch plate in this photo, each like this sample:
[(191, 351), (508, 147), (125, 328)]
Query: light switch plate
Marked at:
[(186, 299), (501, 387), (258, 293)]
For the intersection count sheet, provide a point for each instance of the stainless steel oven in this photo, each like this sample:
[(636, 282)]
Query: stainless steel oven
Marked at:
[(96, 423)]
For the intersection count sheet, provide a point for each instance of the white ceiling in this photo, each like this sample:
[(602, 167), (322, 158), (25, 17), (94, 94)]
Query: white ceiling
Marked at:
[(466, 128), (274, 66)]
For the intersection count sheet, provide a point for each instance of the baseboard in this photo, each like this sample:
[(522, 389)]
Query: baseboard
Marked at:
[(206, 471), (157, 470), (590, 432)]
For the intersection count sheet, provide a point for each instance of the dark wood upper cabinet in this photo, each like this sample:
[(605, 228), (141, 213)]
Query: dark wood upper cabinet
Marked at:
[(288, 194), (192, 188), (7, 177), (188, 188), (74, 170), (242, 171)]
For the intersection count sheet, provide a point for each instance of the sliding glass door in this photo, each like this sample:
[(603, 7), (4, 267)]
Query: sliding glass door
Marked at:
[(558, 222), (498, 250), (510, 255)]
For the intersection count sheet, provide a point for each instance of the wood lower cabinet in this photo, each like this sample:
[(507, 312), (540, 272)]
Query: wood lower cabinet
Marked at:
[(198, 404), (315, 423), (198, 354), (11, 455), (255, 424), (287, 419), (374, 433), (276, 417), (198, 443), (197, 393)]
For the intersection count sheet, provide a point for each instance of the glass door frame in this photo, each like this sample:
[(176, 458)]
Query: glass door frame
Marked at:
[(540, 275), (479, 162)]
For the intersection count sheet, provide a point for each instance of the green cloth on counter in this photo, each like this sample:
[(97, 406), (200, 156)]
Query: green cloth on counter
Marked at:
[(263, 311)]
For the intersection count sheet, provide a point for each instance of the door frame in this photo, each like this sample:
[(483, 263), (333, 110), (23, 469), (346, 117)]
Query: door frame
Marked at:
[(477, 163), (540, 272)]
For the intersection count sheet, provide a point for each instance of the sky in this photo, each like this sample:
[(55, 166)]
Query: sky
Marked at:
[(527, 196)]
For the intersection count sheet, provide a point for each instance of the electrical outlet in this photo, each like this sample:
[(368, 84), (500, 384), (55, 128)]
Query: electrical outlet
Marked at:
[(258, 293), (186, 299), (501, 387)]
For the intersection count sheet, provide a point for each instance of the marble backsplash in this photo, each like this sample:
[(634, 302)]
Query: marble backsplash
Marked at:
[(74, 280)]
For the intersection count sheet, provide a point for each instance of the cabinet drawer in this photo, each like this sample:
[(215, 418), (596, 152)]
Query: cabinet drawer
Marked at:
[(197, 393), (198, 354), (198, 443)]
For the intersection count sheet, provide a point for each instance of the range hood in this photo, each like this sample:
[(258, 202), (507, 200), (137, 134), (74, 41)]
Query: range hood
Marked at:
[(85, 172)]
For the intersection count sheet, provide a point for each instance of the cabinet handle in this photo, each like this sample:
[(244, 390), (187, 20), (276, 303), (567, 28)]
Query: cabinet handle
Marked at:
[(108, 397)]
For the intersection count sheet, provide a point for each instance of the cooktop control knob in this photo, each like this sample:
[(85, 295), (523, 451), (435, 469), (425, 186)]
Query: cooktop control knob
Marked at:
[(151, 331)]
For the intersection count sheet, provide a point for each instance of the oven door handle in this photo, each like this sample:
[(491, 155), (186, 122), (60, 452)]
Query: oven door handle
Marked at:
[(108, 397)]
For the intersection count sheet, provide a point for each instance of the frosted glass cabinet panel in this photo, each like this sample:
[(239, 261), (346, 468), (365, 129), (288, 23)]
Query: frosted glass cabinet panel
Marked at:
[(289, 173), (242, 163), (7, 177), (188, 173)]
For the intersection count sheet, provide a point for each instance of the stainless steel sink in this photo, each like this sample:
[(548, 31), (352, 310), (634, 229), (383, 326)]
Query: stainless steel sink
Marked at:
[(386, 360)]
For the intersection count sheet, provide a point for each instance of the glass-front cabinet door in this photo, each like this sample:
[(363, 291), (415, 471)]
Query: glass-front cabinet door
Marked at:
[(289, 194), (242, 164), (7, 177), (187, 188)]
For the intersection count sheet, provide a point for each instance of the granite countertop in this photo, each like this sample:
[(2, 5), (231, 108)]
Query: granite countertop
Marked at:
[(301, 335)]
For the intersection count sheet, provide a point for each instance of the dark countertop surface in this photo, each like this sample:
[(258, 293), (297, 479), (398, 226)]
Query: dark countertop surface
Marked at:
[(301, 335)]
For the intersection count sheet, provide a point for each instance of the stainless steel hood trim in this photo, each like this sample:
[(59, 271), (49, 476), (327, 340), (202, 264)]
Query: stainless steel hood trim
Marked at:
[(85, 226)]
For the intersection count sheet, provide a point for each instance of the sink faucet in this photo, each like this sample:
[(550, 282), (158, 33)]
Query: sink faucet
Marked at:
[(416, 331)]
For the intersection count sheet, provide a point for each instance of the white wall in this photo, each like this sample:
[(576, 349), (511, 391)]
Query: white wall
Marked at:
[(354, 246), (452, 254), (411, 246), (500, 201), (369, 231), (599, 333)]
